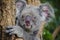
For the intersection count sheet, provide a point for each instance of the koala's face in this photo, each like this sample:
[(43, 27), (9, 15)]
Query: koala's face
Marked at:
[(47, 12), (29, 18)]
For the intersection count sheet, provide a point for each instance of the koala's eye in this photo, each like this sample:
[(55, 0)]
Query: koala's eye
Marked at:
[(22, 16), (34, 17)]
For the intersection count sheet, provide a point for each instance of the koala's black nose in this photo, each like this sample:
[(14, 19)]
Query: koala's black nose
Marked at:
[(28, 18)]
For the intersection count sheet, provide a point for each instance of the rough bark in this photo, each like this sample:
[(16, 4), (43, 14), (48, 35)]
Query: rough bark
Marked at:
[(7, 16), (33, 2)]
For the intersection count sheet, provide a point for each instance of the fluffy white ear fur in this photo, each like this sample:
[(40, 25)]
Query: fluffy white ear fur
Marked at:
[(50, 12), (20, 5)]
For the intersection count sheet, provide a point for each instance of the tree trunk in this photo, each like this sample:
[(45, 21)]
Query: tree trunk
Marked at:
[(33, 2), (7, 16), (56, 31)]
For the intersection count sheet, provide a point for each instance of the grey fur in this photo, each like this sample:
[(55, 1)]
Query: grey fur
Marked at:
[(19, 29)]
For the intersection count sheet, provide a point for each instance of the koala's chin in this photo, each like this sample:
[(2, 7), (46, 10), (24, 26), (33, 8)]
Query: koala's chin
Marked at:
[(28, 28)]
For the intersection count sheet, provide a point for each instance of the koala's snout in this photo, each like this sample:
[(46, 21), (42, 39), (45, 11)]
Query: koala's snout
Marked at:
[(27, 20)]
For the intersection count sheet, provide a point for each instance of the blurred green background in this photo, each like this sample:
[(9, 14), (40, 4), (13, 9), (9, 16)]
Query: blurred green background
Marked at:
[(53, 26)]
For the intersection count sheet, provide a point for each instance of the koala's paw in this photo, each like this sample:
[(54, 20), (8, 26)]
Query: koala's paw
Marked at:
[(15, 30)]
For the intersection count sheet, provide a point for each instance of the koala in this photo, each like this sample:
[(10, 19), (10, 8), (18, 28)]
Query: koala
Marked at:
[(28, 20), (46, 12)]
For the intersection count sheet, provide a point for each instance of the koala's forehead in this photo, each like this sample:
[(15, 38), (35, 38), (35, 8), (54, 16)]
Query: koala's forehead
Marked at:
[(30, 10)]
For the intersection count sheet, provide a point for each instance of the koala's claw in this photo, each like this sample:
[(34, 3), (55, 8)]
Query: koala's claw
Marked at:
[(14, 30)]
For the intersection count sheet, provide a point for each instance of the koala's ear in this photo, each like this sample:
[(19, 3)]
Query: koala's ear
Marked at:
[(20, 5), (46, 12)]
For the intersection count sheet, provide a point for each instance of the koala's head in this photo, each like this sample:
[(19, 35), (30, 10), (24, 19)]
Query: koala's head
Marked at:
[(46, 12), (30, 17)]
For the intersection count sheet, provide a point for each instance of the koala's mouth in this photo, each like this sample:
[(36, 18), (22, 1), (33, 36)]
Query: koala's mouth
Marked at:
[(27, 23), (27, 26), (27, 20)]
